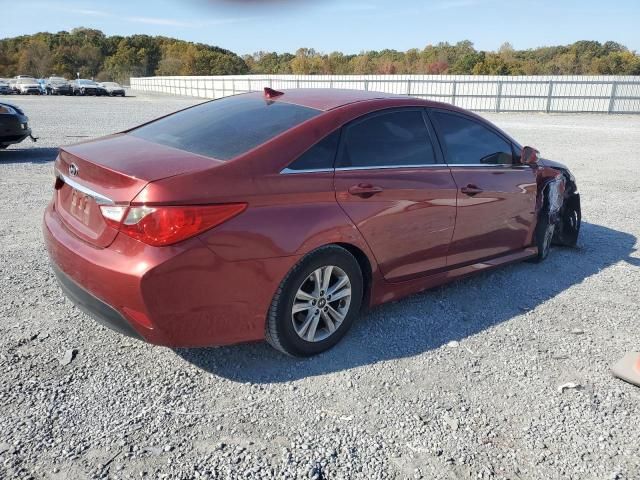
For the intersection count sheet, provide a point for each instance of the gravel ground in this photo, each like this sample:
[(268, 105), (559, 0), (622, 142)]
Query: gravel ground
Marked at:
[(459, 382)]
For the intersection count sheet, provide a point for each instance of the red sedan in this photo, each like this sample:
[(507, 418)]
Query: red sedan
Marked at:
[(280, 216)]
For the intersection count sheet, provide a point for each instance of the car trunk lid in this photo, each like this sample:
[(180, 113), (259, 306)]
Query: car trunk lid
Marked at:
[(112, 171)]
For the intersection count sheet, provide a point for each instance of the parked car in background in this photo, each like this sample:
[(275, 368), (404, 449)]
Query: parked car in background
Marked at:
[(86, 87), (28, 86), (113, 89), (13, 85), (281, 214), (5, 89), (57, 86), (14, 125)]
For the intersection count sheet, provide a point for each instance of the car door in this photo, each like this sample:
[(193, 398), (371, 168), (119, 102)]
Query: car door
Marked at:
[(496, 195), (393, 184)]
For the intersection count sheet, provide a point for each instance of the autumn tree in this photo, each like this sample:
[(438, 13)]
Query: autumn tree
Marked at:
[(35, 58)]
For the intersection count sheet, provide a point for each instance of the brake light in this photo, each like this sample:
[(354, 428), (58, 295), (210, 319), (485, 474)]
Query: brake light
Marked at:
[(166, 225)]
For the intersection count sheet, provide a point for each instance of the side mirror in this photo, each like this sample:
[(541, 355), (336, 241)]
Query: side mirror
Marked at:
[(529, 156)]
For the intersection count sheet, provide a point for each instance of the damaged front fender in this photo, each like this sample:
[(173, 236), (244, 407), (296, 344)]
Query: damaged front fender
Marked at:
[(559, 200)]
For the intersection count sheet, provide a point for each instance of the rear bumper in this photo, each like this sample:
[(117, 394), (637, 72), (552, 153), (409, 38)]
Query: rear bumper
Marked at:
[(93, 306), (177, 296)]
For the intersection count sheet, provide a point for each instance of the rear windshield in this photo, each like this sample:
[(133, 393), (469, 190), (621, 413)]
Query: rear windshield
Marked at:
[(225, 128)]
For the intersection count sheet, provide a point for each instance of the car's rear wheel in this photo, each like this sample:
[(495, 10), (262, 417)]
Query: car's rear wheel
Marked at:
[(316, 303)]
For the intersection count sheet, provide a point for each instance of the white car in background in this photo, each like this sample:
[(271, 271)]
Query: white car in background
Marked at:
[(27, 86), (113, 89)]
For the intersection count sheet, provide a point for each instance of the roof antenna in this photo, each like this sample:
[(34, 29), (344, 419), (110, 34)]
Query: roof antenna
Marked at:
[(271, 93)]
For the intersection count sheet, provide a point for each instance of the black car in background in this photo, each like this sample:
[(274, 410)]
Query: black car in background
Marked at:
[(57, 86), (5, 89), (14, 125), (86, 87)]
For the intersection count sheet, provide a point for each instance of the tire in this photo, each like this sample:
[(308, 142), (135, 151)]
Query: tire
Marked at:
[(283, 324), (568, 229), (543, 236)]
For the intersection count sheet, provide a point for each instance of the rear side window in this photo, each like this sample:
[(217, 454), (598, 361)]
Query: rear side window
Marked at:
[(319, 157), (225, 128), (468, 142), (392, 139)]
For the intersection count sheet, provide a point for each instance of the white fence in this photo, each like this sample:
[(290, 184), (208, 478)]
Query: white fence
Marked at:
[(552, 94)]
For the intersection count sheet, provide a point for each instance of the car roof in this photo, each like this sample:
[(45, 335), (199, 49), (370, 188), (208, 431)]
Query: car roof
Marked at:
[(326, 98)]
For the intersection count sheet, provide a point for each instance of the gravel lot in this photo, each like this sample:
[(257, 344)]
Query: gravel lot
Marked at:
[(459, 382)]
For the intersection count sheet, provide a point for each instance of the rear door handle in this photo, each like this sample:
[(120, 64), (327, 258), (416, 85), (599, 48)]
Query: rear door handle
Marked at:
[(365, 190), (471, 190)]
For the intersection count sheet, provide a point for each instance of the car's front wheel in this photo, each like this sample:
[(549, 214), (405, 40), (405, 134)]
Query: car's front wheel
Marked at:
[(543, 237), (316, 303)]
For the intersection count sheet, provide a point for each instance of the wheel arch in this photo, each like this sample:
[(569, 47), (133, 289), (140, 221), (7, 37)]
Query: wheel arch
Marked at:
[(365, 267)]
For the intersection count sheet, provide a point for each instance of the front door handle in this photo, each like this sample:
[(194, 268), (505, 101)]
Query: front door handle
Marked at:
[(471, 190), (365, 190)]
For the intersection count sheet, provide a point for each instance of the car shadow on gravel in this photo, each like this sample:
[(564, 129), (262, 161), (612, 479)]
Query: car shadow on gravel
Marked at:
[(28, 155), (429, 320)]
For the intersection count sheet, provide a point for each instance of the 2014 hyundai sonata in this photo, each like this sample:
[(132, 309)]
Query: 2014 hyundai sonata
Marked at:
[(281, 215)]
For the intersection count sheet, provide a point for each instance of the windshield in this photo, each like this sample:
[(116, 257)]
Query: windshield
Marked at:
[(57, 80), (110, 84), (87, 82), (225, 128), (24, 81)]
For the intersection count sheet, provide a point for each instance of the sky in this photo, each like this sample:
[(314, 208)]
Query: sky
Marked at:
[(349, 26)]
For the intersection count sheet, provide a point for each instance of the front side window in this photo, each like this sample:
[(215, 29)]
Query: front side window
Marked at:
[(319, 157), (392, 139), (225, 128), (468, 142)]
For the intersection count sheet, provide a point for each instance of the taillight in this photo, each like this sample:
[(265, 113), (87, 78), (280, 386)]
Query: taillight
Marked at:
[(160, 225)]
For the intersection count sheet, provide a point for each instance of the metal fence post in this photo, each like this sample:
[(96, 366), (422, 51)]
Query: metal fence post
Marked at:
[(612, 97), (549, 96), (408, 87), (233, 86), (499, 97), (366, 85), (454, 87)]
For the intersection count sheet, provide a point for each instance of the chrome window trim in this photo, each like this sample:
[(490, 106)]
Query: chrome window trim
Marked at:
[(289, 171), (386, 167), (488, 165), (99, 198)]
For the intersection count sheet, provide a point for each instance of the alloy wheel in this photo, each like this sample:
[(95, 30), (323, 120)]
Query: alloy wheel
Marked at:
[(321, 303)]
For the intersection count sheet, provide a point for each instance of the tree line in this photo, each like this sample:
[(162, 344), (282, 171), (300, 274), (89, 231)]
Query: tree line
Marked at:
[(579, 58), (91, 54)]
